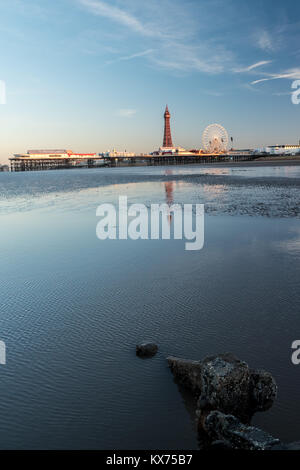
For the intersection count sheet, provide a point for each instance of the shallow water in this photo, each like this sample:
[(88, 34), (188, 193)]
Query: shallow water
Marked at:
[(73, 307)]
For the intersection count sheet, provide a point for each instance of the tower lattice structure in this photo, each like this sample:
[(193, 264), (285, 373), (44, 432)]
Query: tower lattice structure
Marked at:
[(167, 133)]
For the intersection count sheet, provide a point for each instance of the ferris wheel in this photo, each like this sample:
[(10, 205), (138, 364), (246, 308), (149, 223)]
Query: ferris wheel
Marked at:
[(215, 139)]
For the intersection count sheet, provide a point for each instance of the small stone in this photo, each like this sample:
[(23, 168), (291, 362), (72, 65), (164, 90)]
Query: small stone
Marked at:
[(146, 349)]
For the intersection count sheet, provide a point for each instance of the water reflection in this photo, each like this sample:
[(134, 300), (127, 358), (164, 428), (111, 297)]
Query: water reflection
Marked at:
[(169, 187), (291, 246), (214, 189)]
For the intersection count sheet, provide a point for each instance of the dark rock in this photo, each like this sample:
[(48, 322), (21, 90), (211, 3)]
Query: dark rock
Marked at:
[(225, 384), (263, 390), (188, 373), (228, 428), (146, 349), (228, 393), (202, 403)]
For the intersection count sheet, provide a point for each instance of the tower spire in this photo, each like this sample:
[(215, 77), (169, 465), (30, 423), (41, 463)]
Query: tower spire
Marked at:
[(167, 132)]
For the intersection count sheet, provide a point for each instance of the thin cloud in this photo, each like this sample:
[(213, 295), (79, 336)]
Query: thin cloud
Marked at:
[(176, 51), (265, 41), (291, 74), (138, 54), (283, 93), (253, 66), (185, 58), (126, 113), (261, 80), (191, 62), (99, 8), (213, 93), (131, 57)]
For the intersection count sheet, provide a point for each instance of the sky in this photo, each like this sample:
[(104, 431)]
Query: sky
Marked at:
[(91, 75)]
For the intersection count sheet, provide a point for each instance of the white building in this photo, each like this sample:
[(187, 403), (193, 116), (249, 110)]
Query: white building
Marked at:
[(115, 153), (50, 154), (280, 150), (173, 151)]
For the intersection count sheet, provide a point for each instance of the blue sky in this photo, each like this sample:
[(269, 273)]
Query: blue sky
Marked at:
[(91, 75)]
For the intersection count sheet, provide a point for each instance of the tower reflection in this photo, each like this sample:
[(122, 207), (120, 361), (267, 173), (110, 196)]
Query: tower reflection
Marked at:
[(169, 190)]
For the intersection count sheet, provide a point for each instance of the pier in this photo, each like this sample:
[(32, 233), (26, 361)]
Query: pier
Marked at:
[(47, 163), (53, 163), (179, 159)]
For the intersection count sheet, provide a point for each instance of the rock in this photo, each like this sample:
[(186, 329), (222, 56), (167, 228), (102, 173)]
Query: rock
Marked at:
[(263, 390), (225, 382), (229, 429), (188, 373), (146, 349), (228, 394)]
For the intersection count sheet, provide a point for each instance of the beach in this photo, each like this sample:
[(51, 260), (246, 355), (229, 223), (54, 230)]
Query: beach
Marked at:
[(73, 307)]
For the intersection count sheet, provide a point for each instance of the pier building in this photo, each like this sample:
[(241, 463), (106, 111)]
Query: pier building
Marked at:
[(53, 159)]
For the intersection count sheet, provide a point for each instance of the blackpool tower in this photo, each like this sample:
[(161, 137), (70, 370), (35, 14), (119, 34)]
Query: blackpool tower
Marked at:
[(167, 134)]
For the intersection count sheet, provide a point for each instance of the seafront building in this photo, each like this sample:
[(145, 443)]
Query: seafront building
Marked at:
[(280, 149), (115, 153), (53, 159)]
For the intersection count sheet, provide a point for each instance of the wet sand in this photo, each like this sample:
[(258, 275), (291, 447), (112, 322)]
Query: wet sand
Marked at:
[(74, 307)]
